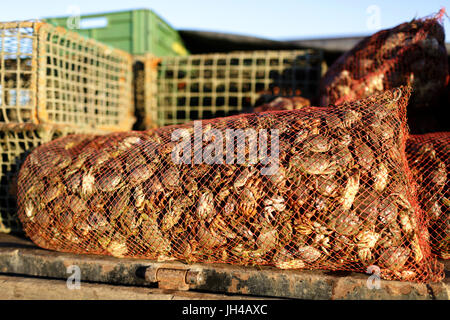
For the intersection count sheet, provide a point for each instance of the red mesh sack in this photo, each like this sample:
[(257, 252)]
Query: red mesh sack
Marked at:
[(428, 157), (411, 53), (315, 188)]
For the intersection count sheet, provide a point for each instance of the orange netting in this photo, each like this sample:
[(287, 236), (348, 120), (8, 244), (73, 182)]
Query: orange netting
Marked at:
[(315, 188), (411, 53), (429, 159)]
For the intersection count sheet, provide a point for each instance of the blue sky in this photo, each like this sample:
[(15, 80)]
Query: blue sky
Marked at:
[(282, 19)]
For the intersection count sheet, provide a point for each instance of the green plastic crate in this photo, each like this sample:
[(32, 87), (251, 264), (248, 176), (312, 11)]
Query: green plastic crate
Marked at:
[(136, 31)]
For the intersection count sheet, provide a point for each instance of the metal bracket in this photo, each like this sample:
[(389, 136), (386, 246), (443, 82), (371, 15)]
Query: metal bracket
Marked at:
[(173, 277)]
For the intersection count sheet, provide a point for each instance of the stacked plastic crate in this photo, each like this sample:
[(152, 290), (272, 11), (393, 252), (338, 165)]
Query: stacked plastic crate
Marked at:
[(54, 82)]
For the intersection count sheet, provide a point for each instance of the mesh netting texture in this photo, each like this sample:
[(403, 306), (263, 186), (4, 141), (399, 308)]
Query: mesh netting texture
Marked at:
[(315, 188), (428, 157), (412, 53)]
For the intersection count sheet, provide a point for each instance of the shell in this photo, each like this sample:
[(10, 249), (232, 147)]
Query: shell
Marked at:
[(117, 247), (267, 240), (317, 143), (346, 223), (140, 174), (381, 177)]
